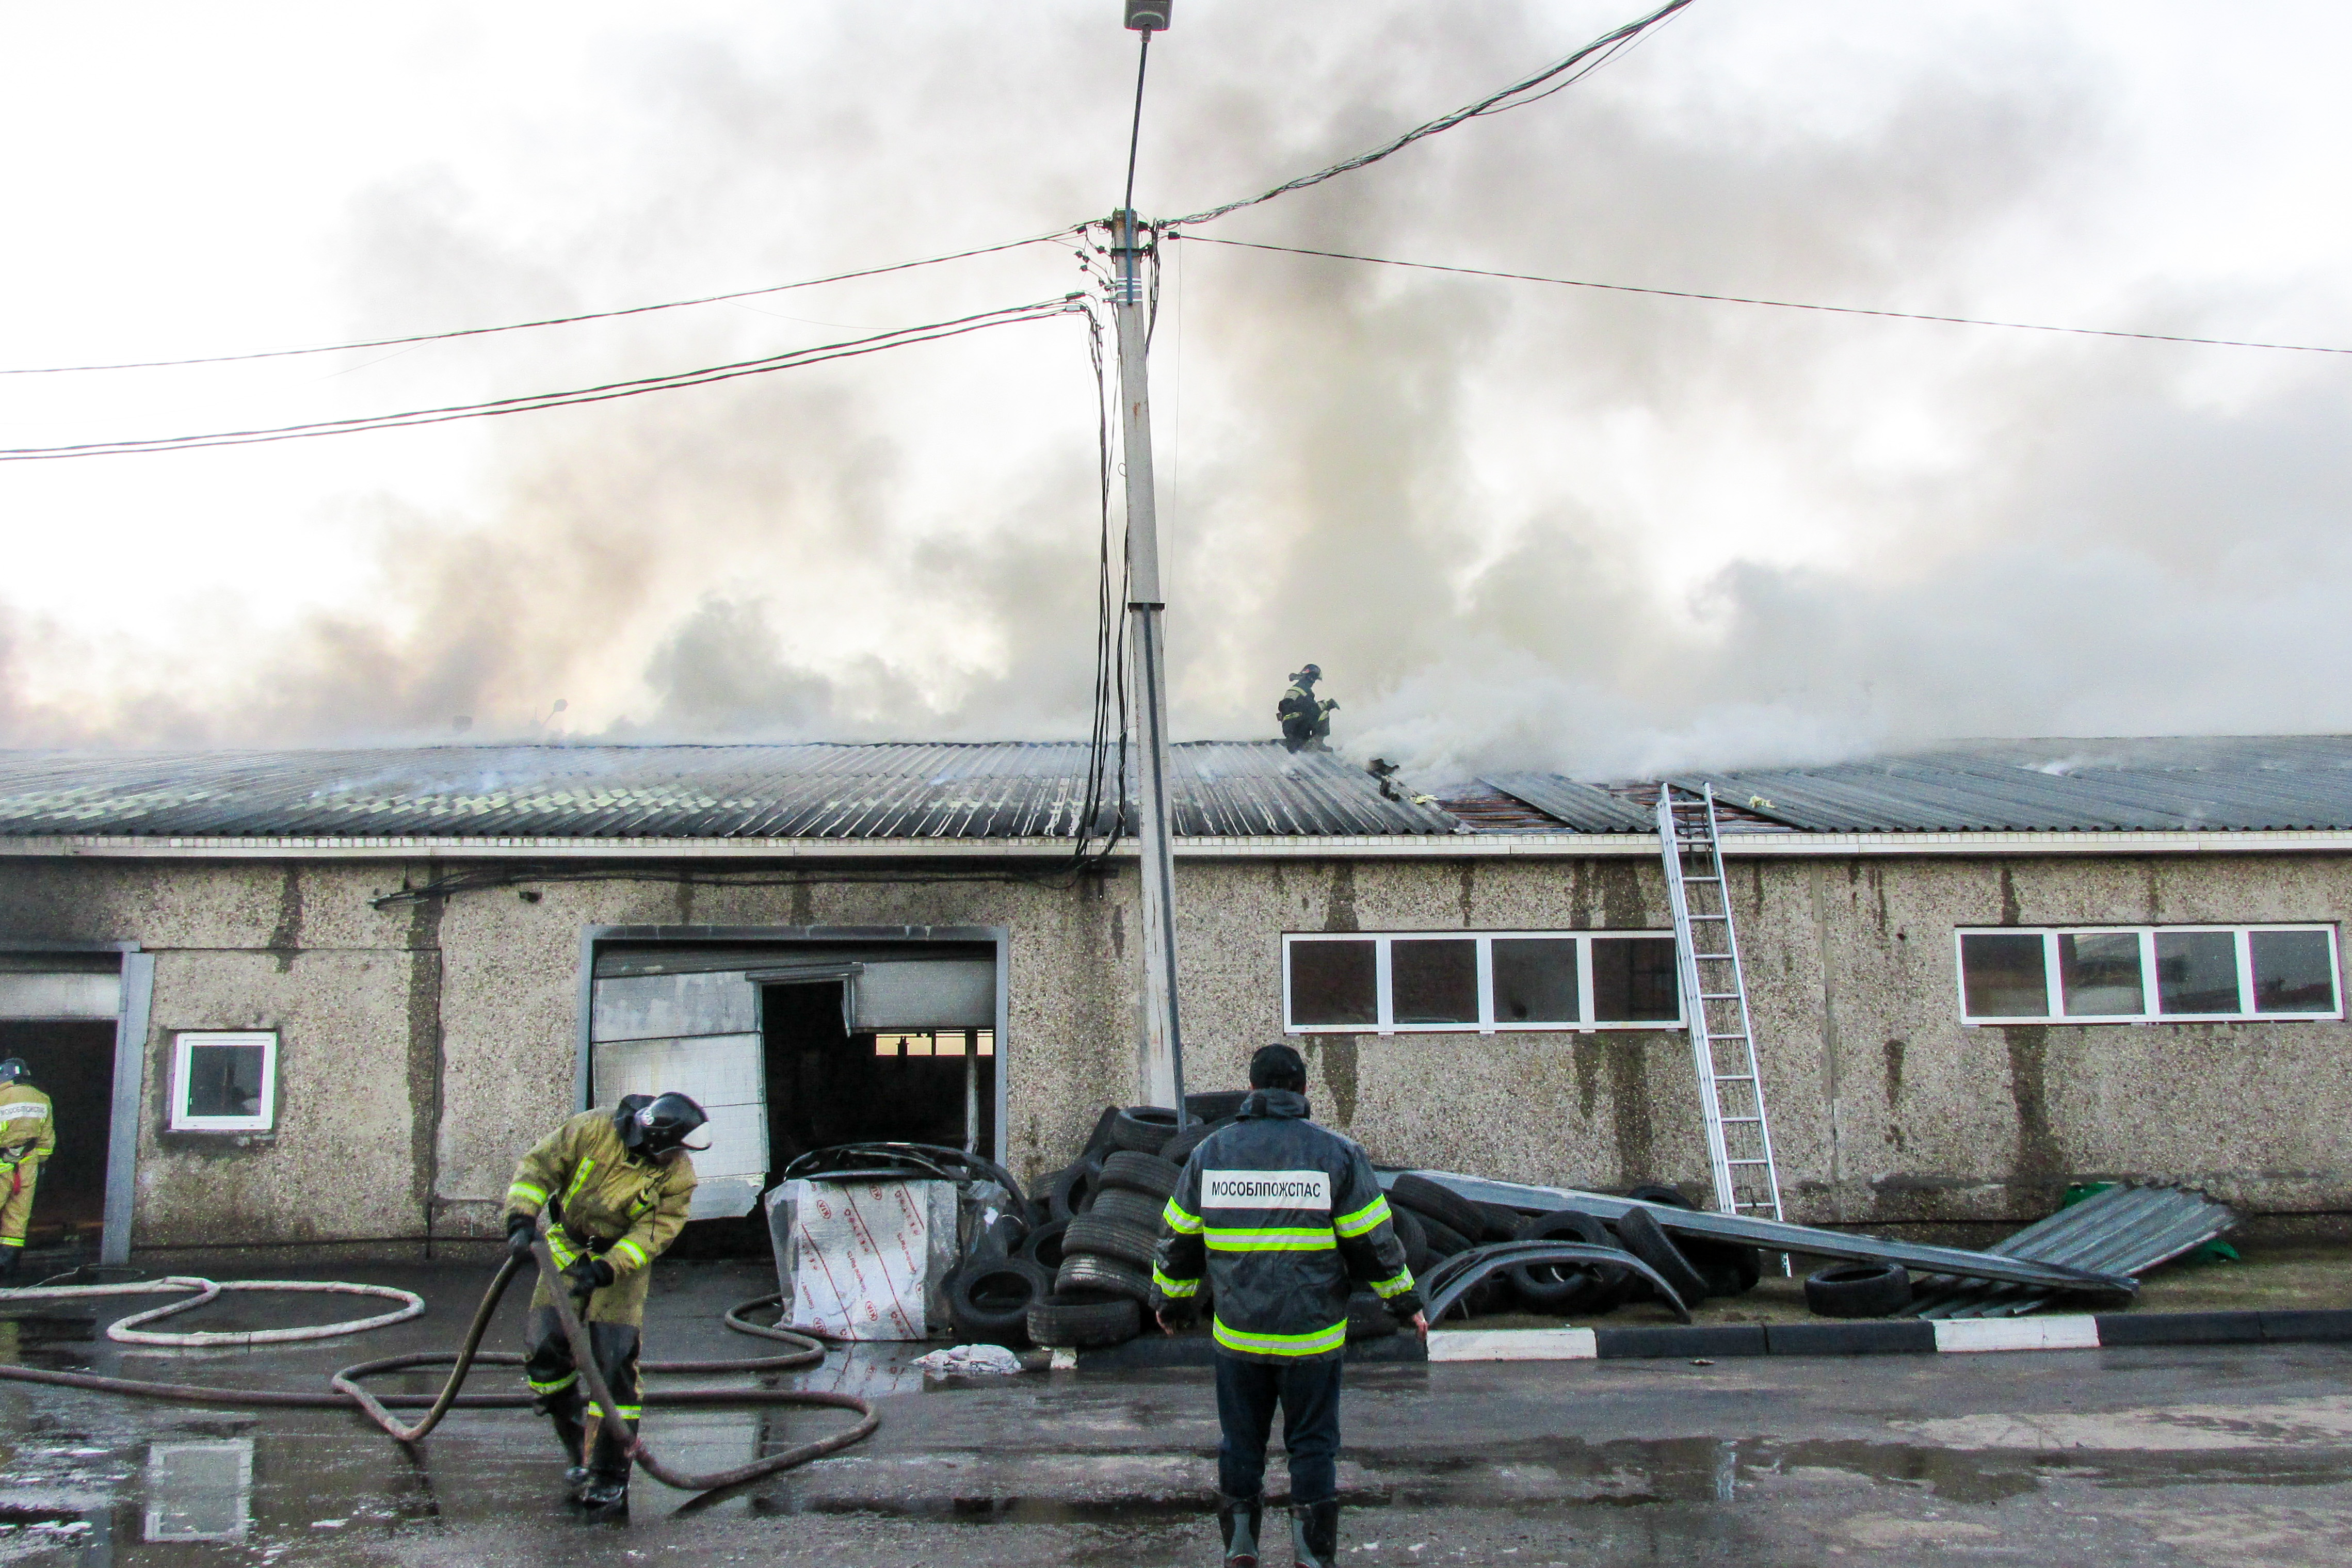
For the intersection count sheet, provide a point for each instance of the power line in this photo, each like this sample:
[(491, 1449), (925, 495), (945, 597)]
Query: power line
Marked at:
[(606, 392), (1604, 46), (547, 321), (1775, 303)]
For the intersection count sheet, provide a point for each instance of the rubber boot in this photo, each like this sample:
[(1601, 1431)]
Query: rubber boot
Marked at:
[(572, 1431), (1238, 1518), (606, 1499), (10, 1258), (1315, 1533)]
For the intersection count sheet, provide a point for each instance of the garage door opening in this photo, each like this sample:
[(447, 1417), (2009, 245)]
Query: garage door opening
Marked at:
[(828, 1083), (791, 1046)]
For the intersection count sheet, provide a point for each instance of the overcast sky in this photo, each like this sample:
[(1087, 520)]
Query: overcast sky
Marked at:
[(1517, 525)]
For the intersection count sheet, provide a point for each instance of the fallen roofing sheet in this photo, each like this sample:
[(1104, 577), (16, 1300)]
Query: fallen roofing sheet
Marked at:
[(1779, 1237), (2123, 1230)]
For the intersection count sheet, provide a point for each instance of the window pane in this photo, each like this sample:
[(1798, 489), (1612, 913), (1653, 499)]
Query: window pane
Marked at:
[(2197, 971), (2291, 972), (225, 1081), (1332, 983), (1534, 980), (2004, 975), (2098, 971), (1435, 982), (1634, 979)]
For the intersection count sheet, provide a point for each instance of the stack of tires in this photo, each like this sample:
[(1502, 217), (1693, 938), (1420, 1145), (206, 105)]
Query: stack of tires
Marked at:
[(1100, 1223)]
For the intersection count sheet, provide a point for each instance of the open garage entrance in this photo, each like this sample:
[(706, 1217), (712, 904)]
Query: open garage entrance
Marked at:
[(58, 1014), (794, 1042)]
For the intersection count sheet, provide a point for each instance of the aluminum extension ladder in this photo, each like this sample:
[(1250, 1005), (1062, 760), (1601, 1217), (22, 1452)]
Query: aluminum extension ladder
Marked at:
[(1715, 993)]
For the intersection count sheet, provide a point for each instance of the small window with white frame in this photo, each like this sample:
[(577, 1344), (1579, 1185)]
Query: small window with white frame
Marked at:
[(2147, 974), (223, 1081), (1478, 982)]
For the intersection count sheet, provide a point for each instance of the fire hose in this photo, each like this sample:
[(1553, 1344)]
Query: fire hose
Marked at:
[(348, 1393)]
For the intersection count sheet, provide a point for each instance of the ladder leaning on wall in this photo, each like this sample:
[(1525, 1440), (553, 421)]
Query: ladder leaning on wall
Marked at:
[(1715, 997)]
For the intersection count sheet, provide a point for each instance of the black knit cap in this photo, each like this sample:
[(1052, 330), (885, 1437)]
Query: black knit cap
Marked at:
[(1278, 1067)]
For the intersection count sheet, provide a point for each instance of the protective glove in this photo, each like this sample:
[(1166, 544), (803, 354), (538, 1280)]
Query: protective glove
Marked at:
[(588, 1275), (522, 1229)]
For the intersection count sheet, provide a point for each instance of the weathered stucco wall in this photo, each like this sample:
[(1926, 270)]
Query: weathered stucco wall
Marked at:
[(423, 1045)]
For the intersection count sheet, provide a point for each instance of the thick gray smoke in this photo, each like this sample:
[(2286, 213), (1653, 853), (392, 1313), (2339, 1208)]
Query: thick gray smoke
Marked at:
[(1517, 526)]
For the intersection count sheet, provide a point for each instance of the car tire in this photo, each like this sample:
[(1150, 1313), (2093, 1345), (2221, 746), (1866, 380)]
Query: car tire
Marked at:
[(1091, 1234), (1640, 1234), (1180, 1148), (1442, 1239), (1071, 1188), (1728, 1269), (1368, 1317), (1084, 1274), (1145, 1174), (1497, 1223), (1408, 1228), (1568, 1288), (1143, 1129), (1042, 1246), (1217, 1105), (1083, 1324), (989, 1301), (1125, 1206), (1099, 1142), (1448, 1207), (1859, 1291)]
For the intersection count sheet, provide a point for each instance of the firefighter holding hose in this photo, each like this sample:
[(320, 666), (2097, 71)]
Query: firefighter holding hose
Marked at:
[(616, 1186), (28, 1135)]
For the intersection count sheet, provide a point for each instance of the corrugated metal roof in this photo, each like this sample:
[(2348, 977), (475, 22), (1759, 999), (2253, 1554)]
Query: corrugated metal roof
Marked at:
[(1583, 807), (822, 792), (2229, 782)]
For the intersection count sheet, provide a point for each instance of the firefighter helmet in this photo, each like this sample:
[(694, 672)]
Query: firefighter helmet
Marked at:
[(658, 1125), (13, 1069)]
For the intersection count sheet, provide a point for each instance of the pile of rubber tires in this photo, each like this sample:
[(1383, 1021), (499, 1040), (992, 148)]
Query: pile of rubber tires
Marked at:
[(1441, 1230), (1094, 1224)]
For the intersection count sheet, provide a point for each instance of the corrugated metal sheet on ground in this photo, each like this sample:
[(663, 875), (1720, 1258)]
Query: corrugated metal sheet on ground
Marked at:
[(822, 792), (2123, 1230), (2223, 782)]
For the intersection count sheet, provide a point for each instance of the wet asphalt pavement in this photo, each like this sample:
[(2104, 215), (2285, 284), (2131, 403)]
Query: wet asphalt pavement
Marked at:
[(2235, 1455)]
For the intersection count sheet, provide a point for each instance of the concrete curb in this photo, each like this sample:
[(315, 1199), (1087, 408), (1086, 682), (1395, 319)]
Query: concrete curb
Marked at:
[(1905, 1336)]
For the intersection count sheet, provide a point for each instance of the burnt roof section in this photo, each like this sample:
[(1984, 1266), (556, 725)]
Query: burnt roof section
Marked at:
[(993, 790), (1586, 808), (2219, 783)]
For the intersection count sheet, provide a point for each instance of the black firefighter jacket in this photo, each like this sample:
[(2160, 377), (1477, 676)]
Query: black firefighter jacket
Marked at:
[(1281, 1215)]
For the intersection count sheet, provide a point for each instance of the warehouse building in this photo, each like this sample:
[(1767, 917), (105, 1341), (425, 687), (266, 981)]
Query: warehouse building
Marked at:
[(327, 996)]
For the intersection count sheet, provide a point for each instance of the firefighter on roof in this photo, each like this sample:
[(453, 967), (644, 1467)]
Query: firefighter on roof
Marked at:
[(28, 1135), (1305, 717), (616, 1186)]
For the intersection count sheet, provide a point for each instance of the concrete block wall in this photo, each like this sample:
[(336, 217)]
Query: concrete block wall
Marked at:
[(423, 1045)]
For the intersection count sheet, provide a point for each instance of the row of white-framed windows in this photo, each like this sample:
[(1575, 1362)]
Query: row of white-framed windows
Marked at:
[(2147, 974), (1481, 982)]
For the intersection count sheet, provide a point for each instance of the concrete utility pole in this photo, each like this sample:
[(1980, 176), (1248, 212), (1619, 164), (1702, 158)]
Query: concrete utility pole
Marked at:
[(1161, 1073)]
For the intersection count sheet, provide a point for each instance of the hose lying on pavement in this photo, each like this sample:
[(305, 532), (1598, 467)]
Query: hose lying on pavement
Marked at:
[(128, 1331), (348, 1394)]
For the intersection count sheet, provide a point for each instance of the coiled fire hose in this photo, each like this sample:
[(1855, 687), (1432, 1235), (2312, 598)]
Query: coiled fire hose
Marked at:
[(348, 1394)]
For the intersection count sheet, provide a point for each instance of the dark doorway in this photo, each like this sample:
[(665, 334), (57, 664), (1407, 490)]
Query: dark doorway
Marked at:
[(73, 1063), (826, 1085)]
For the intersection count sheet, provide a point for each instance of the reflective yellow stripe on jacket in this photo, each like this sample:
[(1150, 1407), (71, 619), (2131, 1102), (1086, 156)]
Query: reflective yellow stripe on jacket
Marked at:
[(1316, 1238), (1363, 1219), (1320, 1342), (1174, 1288), (1175, 1217)]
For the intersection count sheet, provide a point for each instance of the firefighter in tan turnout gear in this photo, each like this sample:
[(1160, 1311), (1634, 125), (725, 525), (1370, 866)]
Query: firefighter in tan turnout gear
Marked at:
[(28, 1135), (616, 1186)]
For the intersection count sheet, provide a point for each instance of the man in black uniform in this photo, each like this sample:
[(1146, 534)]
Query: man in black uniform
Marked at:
[(1286, 1219), (1305, 717)]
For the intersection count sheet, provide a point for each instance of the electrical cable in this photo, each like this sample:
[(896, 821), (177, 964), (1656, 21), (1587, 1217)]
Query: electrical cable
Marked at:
[(1494, 103), (1774, 304), (604, 393), (547, 321)]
